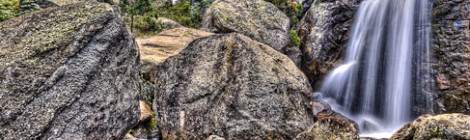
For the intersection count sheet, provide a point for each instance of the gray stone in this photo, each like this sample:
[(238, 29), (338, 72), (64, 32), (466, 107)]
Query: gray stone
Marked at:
[(451, 35), (258, 19), (234, 87), (68, 73)]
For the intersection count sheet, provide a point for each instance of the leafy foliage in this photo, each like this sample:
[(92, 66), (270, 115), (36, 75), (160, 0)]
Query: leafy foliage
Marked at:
[(9, 9), (294, 37), (182, 13), (142, 14)]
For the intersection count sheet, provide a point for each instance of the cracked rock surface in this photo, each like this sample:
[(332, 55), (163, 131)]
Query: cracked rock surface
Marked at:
[(451, 48), (68, 72), (257, 19), (233, 87)]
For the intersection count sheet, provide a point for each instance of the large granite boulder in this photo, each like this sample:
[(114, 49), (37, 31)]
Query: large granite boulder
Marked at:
[(330, 126), (154, 50), (451, 35), (324, 32), (257, 19), (233, 87), (446, 126), (68, 73)]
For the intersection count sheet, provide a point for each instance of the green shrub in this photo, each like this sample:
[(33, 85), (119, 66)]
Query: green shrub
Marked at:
[(294, 37), (182, 13), (141, 15), (152, 123), (9, 9)]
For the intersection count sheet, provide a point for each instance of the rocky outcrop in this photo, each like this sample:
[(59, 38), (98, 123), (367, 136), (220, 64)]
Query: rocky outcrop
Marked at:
[(257, 19), (324, 32), (445, 126), (233, 87), (68, 73), (167, 23), (330, 126), (215, 137), (451, 35)]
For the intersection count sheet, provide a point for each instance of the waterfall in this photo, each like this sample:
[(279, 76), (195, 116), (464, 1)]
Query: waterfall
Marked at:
[(388, 51)]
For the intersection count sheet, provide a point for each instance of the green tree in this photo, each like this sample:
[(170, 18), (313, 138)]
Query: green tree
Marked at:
[(142, 15), (141, 12), (182, 13)]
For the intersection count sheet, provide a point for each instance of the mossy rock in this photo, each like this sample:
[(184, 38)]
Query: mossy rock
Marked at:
[(444, 126)]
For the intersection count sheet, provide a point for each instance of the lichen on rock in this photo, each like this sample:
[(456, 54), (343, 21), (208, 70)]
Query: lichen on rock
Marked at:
[(231, 86), (451, 47), (330, 126), (68, 73), (257, 19), (445, 126)]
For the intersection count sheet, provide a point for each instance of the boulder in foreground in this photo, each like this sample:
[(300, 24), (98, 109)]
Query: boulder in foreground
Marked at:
[(233, 87), (68, 72)]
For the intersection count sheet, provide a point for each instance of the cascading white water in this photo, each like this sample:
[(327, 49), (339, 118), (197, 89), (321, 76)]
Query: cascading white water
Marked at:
[(374, 85)]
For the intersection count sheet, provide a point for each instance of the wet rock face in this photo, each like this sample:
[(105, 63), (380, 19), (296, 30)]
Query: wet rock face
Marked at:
[(324, 32), (451, 35), (445, 126), (68, 73), (257, 19), (332, 126), (233, 87)]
